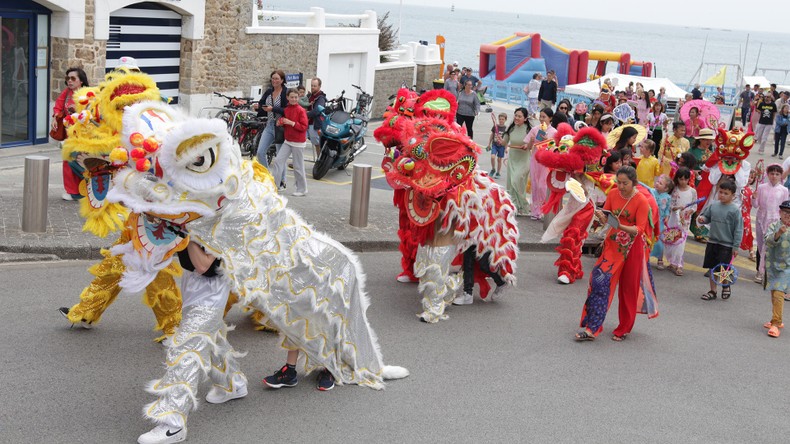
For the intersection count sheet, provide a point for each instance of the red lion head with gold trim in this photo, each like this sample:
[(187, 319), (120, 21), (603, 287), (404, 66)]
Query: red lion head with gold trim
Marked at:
[(731, 148), (427, 153), (569, 152)]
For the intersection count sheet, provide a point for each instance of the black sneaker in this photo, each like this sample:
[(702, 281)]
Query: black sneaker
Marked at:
[(64, 311), (283, 377), (326, 381), (283, 185)]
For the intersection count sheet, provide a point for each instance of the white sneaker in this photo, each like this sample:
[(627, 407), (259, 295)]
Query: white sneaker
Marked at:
[(463, 299), (66, 196), (299, 194), (562, 279), (403, 278), (163, 434), (218, 395), (758, 278)]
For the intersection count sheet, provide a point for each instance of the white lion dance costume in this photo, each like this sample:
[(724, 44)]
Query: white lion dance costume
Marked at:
[(568, 156), (311, 287), (446, 206)]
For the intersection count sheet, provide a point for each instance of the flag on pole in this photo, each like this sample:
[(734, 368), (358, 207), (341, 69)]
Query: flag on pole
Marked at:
[(718, 78)]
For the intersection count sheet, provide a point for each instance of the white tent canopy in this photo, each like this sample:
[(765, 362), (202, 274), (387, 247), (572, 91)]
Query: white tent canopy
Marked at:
[(756, 80), (592, 89)]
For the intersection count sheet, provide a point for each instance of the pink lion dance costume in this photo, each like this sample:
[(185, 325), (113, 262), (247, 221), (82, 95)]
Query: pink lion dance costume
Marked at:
[(445, 205), (568, 156)]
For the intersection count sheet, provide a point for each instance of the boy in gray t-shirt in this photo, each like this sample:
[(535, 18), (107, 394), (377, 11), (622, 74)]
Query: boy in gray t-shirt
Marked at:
[(726, 231)]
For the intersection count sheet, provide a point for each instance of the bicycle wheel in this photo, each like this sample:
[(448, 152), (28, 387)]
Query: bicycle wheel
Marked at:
[(226, 116)]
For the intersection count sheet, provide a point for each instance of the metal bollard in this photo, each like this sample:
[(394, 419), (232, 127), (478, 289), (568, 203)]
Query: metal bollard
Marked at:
[(34, 194), (360, 195)]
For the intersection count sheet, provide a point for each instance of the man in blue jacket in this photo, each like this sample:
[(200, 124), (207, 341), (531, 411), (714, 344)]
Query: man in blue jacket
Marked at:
[(314, 117)]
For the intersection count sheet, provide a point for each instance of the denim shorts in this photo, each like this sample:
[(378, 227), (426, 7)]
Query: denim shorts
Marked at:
[(498, 150)]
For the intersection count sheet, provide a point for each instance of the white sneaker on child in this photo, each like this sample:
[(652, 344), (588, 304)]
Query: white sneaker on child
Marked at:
[(463, 299)]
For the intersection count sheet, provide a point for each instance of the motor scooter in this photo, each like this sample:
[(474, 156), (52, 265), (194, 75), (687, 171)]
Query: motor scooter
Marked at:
[(342, 132)]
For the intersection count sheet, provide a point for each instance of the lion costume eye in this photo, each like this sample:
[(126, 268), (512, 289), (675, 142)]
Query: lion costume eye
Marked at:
[(204, 162)]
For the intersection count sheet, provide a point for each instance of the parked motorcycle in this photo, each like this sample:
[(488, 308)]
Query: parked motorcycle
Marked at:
[(342, 132)]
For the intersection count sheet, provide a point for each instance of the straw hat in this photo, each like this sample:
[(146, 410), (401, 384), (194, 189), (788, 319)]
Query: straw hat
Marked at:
[(614, 135), (706, 133)]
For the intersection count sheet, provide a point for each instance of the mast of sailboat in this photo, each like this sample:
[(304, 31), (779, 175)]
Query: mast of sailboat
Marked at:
[(743, 64), (701, 63), (757, 62)]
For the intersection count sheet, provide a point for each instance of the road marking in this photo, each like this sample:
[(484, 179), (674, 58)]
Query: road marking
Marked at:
[(332, 182)]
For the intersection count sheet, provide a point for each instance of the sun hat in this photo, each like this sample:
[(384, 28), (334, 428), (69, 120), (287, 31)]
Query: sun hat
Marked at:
[(614, 135), (128, 62), (706, 134)]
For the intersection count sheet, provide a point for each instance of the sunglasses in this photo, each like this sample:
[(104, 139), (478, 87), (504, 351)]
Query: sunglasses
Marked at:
[(72, 78), (563, 108)]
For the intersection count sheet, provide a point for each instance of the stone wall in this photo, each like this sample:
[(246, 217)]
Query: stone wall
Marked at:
[(229, 59), (426, 74), (388, 82), (89, 54)]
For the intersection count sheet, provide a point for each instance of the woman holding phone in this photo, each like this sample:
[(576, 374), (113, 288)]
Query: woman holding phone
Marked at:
[(623, 262)]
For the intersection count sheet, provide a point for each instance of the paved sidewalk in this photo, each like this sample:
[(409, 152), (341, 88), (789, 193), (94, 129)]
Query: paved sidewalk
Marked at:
[(327, 207)]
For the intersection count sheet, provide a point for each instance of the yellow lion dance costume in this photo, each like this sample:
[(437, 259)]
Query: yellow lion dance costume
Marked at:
[(94, 143), (93, 132)]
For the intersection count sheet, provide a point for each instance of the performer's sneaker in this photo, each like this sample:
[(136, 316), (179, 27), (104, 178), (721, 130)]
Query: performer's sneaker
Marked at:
[(64, 311), (326, 381), (218, 395), (405, 278), (463, 299), (283, 377), (563, 279), (163, 434)]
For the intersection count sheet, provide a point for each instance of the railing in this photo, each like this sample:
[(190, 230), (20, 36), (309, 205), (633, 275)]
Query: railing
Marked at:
[(315, 18)]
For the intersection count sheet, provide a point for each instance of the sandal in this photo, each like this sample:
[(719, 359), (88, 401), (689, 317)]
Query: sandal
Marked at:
[(619, 338), (726, 292), (660, 265), (584, 336), (678, 271), (709, 296), (774, 332), (769, 325)]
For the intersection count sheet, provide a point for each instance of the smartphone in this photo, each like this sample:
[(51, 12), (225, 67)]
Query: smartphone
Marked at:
[(611, 219)]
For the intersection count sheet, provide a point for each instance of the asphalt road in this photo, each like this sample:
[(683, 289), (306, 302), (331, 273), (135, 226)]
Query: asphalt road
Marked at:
[(508, 371)]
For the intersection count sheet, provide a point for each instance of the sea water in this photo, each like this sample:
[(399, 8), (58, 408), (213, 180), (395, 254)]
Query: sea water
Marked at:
[(676, 51)]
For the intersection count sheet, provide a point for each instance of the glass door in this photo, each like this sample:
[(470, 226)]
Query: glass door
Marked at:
[(15, 79)]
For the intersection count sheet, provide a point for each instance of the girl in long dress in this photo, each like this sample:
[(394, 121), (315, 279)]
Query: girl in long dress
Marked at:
[(518, 160), (682, 197), (539, 173)]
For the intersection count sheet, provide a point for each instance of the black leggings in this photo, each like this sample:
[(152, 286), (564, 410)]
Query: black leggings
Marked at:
[(658, 134), (485, 265), (468, 120)]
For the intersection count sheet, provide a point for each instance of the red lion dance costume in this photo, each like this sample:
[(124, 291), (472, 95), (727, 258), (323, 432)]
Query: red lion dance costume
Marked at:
[(568, 156), (728, 159), (430, 162)]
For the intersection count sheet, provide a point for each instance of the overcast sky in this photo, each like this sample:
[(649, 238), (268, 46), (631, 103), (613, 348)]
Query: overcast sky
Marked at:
[(760, 15)]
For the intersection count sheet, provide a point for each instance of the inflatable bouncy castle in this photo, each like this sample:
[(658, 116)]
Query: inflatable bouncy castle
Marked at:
[(518, 57)]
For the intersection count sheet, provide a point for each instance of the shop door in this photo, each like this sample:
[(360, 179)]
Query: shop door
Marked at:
[(16, 78), (151, 33)]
